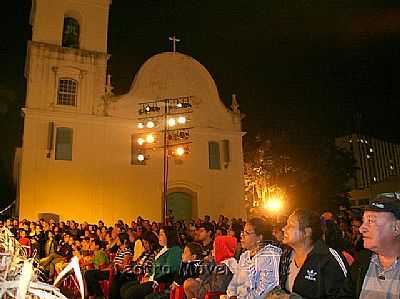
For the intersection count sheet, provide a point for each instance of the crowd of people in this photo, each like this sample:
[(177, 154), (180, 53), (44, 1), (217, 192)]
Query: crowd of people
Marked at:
[(309, 256)]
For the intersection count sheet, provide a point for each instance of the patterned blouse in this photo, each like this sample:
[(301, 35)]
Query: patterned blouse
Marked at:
[(143, 264), (256, 276)]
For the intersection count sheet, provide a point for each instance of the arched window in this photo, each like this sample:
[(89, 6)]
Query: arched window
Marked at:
[(67, 92), (70, 33)]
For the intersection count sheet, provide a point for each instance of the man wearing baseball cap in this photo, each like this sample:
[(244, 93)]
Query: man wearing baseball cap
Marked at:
[(205, 236), (376, 272)]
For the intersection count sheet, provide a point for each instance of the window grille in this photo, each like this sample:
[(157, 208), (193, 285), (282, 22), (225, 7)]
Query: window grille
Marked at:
[(67, 92)]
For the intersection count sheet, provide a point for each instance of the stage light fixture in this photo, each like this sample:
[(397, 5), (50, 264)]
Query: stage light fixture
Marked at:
[(140, 141), (150, 124), (150, 138), (181, 120), (149, 109), (140, 157), (185, 105), (140, 125), (180, 151), (171, 122)]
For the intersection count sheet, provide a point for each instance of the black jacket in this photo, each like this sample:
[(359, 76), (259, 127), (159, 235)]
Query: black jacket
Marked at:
[(321, 275), (355, 278), (187, 270)]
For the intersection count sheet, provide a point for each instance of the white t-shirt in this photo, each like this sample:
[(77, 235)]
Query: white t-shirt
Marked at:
[(293, 271)]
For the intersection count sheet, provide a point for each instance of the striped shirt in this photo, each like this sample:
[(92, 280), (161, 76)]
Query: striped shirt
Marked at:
[(120, 259), (381, 283)]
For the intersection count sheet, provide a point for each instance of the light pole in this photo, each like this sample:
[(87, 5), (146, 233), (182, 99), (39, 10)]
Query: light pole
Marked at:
[(169, 118)]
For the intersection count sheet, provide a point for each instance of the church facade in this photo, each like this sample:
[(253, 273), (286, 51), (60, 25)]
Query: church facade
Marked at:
[(83, 156)]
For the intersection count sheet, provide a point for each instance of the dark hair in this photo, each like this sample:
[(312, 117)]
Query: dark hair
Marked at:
[(124, 238), (312, 220), (152, 239), (237, 229), (334, 238), (262, 228), (99, 243), (195, 249), (223, 231), (208, 227), (172, 236)]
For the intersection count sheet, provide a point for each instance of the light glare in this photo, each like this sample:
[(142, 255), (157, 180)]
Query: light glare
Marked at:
[(171, 122), (150, 138), (180, 151), (181, 120), (150, 124), (273, 204)]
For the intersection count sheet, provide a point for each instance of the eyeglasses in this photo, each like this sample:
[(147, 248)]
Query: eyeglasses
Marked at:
[(246, 233), (395, 195)]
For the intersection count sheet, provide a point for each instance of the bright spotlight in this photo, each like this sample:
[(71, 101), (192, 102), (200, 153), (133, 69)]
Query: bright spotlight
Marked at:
[(184, 105), (140, 157), (140, 141), (140, 125), (150, 138), (180, 151), (150, 124), (273, 204), (171, 122), (181, 120)]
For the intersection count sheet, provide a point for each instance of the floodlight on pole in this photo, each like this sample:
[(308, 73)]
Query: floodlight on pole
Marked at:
[(163, 116)]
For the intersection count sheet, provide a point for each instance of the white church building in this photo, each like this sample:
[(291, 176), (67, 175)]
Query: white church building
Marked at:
[(83, 156)]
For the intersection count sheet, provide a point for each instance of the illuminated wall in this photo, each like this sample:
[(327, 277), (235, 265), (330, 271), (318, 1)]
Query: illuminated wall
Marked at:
[(99, 182)]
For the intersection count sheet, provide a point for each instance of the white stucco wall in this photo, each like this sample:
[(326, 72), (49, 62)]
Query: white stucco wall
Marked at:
[(100, 182)]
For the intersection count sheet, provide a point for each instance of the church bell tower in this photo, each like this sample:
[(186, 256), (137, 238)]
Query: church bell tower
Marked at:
[(67, 57), (65, 70)]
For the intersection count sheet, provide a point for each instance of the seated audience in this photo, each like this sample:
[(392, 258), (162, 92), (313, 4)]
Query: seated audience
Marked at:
[(120, 263), (215, 276), (165, 267)]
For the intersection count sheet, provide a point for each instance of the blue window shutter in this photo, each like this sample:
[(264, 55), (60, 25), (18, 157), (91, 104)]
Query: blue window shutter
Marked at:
[(227, 151), (64, 144), (214, 160)]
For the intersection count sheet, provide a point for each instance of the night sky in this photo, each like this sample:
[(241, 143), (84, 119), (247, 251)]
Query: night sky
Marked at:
[(296, 66)]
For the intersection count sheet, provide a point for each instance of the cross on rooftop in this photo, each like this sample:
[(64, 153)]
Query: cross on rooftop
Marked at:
[(174, 41)]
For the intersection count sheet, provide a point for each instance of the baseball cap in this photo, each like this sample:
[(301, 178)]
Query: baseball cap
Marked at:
[(206, 225), (386, 202)]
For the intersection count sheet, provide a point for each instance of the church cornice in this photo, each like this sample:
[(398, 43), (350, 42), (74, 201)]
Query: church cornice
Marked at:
[(112, 120), (62, 53)]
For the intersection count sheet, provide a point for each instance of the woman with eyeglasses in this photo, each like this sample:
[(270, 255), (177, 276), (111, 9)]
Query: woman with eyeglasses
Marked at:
[(258, 269)]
